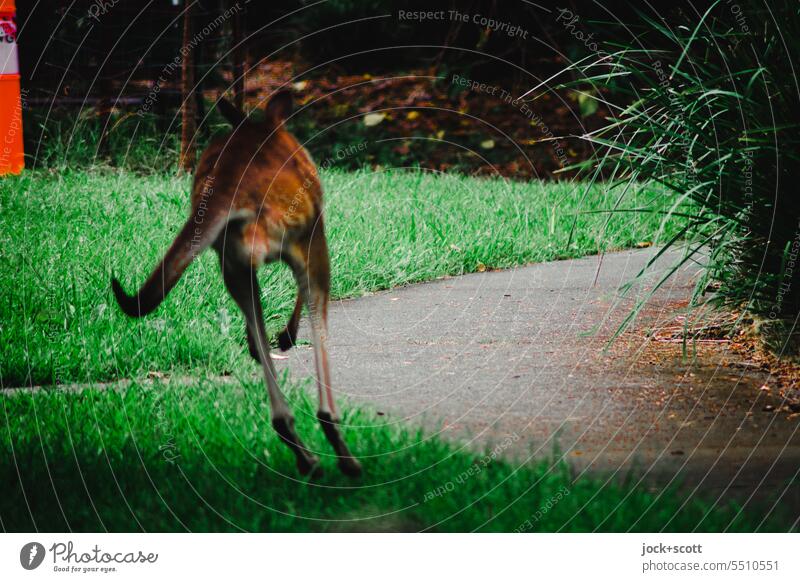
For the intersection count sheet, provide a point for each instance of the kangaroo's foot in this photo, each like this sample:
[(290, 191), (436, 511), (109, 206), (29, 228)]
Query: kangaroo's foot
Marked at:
[(287, 339), (307, 462), (347, 463)]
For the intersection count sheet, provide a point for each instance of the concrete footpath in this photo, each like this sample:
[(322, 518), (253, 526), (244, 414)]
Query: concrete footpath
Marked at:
[(520, 354)]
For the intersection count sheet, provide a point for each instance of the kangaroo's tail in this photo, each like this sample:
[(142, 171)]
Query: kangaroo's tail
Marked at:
[(202, 228)]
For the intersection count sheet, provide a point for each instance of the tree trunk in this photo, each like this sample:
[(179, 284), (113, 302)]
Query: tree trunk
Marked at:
[(188, 120), (238, 62), (106, 90)]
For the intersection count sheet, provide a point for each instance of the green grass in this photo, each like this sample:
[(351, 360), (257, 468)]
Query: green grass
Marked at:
[(201, 457), (62, 234)]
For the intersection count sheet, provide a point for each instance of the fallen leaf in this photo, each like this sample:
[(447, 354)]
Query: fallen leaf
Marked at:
[(373, 119), (487, 144), (412, 115)]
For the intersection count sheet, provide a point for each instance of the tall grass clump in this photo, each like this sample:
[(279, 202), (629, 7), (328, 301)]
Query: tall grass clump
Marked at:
[(706, 103)]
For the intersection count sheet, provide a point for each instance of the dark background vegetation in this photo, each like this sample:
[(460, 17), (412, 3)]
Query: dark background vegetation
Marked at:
[(86, 77), (135, 40)]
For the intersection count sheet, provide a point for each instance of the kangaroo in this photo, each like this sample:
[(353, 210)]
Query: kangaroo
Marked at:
[(256, 198)]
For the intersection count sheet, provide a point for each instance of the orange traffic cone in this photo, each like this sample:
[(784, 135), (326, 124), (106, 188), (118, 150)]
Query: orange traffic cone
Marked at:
[(12, 158)]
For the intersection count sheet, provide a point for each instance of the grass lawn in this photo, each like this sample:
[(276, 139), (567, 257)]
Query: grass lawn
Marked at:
[(198, 453), (62, 234), (201, 457)]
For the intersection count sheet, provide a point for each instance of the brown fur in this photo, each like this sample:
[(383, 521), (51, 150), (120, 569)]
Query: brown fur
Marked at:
[(256, 198)]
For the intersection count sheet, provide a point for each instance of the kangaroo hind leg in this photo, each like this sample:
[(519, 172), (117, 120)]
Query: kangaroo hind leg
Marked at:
[(312, 273), (241, 282)]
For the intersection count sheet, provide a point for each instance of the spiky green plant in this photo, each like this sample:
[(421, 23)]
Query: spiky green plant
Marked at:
[(707, 105)]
